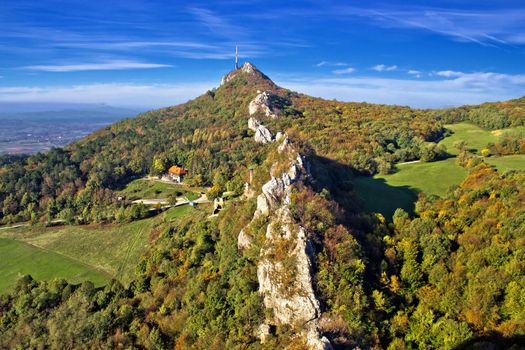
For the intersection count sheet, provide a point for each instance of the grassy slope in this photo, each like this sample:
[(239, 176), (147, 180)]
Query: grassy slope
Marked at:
[(505, 163), (21, 258), (114, 249), (77, 253), (430, 178), (475, 137), (385, 193), (150, 189)]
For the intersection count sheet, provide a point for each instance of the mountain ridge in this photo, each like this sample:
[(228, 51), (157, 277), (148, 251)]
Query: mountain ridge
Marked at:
[(298, 235)]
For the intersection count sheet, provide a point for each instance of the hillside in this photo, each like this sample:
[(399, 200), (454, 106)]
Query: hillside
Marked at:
[(293, 261)]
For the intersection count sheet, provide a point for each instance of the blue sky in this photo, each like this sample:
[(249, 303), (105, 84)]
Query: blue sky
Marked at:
[(158, 53)]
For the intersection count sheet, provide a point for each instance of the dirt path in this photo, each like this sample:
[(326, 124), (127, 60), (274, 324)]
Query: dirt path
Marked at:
[(165, 204), (14, 226), (411, 162)]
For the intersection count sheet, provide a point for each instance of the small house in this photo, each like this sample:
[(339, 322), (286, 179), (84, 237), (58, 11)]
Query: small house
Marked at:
[(176, 174)]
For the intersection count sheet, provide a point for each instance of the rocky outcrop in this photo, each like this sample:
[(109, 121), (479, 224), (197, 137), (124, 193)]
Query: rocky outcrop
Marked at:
[(243, 240), (284, 270), (248, 69), (263, 103), (262, 134)]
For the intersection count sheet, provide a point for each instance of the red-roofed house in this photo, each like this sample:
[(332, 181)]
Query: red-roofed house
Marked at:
[(176, 173)]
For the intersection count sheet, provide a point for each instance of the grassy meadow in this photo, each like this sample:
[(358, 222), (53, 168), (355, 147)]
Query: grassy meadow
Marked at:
[(385, 193), (512, 162), (475, 137), (151, 189), (20, 258), (78, 253)]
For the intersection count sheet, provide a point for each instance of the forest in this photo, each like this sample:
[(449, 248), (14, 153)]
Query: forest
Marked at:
[(448, 276)]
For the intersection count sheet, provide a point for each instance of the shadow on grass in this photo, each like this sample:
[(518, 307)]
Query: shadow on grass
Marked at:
[(373, 195), (378, 196)]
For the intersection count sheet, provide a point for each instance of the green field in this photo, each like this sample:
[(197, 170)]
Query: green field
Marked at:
[(152, 189), (177, 212), (475, 137), (385, 193), (114, 249), (78, 253), (513, 162), (19, 258)]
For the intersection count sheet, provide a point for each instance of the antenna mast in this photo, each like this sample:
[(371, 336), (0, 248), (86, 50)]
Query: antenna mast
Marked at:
[(236, 57)]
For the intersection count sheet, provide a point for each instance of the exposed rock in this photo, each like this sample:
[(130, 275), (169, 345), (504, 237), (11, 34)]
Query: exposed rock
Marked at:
[(263, 102), (262, 134), (314, 340), (247, 68), (243, 240), (263, 331), (292, 301), (285, 280), (275, 192)]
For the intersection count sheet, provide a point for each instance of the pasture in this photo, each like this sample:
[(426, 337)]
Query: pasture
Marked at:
[(20, 258), (153, 189), (78, 253), (385, 193)]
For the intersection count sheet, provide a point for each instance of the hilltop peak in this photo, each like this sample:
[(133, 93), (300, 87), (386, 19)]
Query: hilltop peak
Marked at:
[(247, 70)]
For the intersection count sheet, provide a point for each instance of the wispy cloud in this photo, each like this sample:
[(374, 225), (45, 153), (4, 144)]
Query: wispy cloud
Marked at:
[(117, 94), (344, 70), (218, 24), (415, 73), (469, 88), (449, 74), (485, 27), (110, 65), (330, 64), (384, 68), (130, 45)]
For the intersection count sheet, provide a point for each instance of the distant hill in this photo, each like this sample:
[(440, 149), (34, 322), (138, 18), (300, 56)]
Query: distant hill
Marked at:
[(73, 113)]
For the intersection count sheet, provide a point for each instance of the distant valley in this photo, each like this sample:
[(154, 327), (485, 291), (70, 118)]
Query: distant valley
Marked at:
[(33, 129)]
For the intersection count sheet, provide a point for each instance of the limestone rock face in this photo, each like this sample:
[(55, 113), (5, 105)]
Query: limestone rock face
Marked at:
[(276, 191), (286, 280), (243, 240), (262, 134), (263, 102), (247, 68), (292, 302)]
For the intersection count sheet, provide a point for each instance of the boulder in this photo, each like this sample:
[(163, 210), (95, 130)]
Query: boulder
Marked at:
[(263, 102), (262, 134)]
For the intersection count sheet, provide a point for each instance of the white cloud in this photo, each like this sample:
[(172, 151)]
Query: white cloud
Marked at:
[(415, 73), (485, 27), (117, 94), (331, 64), (467, 89), (384, 68), (109, 65), (344, 70), (450, 74)]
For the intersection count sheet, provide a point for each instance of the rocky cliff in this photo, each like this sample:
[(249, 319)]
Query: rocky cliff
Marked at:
[(284, 269), (264, 102), (246, 69)]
